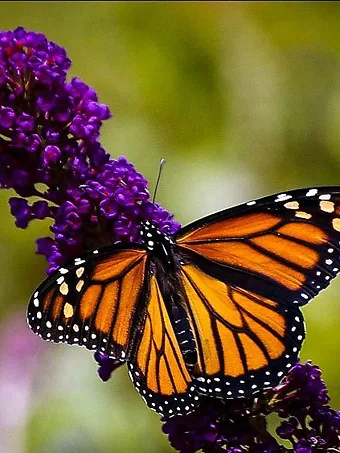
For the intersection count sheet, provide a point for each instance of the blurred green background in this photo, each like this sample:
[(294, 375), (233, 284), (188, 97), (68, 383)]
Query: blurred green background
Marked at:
[(243, 100)]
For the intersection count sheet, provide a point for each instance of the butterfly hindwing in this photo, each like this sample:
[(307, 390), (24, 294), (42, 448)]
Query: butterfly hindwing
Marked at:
[(94, 302), (158, 369), (285, 246), (245, 342)]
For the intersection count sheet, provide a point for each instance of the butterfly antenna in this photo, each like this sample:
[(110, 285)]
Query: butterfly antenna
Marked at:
[(161, 165)]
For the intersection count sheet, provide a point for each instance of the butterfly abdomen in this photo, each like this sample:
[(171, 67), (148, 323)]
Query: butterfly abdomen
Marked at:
[(184, 336)]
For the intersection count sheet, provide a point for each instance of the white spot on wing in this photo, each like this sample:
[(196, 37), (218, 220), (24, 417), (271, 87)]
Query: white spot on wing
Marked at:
[(303, 215), (68, 310), (326, 196), (283, 197), (79, 286), (327, 206), (292, 205), (80, 271), (63, 271), (64, 289), (311, 192)]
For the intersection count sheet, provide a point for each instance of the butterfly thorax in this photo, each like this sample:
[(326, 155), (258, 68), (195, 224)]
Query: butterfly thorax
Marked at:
[(158, 244)]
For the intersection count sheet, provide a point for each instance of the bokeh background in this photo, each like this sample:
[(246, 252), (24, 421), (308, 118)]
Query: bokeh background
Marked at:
[(243, 100)]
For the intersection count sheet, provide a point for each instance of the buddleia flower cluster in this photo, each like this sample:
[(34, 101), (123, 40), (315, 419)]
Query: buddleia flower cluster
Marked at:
[(51, 157), (307, 423), (50, 149)]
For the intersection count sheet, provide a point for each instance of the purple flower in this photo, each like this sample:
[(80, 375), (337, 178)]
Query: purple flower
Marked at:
[(51, 154), (49, 132), (300, 401), (7, 117), (21, 211), (106, 365)]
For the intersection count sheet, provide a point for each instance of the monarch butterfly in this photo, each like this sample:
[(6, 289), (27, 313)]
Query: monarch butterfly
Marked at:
[(212, 310)]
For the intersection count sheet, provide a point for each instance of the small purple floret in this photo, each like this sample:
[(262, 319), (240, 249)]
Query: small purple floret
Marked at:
[(106, 365)]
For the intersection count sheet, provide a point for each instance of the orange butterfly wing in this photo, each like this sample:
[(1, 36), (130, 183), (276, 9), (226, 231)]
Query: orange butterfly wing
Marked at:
[(245, 271), (94, 302), (158, 370), (245, 342), (284, 246)]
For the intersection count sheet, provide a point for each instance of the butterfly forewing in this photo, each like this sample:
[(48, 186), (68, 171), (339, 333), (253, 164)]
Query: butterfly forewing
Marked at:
[(94, 302), (285, 246)]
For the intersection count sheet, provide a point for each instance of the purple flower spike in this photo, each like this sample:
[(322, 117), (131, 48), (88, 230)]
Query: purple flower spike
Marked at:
[(308, 423), (49, 131)]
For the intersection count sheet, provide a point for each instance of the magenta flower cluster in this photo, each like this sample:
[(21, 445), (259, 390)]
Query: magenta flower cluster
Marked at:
[(307, 422), (50, 149)]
